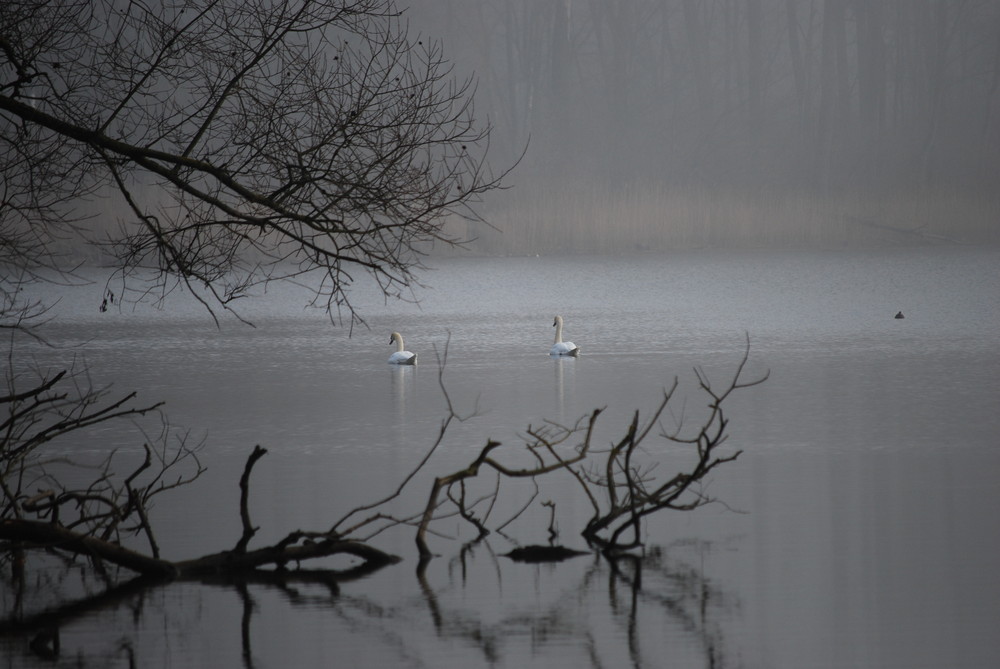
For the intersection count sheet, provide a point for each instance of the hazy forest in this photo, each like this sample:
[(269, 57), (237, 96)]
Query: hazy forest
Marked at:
[(672, 123)]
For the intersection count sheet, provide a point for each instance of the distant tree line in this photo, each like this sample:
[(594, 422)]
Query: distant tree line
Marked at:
[(818, 94)]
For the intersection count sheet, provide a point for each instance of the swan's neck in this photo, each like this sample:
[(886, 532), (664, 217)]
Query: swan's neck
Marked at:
[(558, 331), (399, 343)]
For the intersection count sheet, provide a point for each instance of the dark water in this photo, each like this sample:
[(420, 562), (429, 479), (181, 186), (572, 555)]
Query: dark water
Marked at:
[(857, 528)]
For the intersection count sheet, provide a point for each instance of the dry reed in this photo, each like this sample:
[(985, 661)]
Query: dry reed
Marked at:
[(596, 220)]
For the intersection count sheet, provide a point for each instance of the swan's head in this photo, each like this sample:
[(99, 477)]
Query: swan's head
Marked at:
[(557, 321), (395, 336)]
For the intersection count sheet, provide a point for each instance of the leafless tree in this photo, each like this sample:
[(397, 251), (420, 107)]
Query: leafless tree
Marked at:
[(246, 140), (239, 142), (622, 482), (253, 141), (57, 498), (626, 486)]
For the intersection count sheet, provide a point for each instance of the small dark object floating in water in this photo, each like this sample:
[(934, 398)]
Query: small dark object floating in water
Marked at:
[(899, 314), (542, 554)]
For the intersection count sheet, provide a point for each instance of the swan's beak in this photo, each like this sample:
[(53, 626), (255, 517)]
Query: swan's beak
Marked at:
[(554, 323)]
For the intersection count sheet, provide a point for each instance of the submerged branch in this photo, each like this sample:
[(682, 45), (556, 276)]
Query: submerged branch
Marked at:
[(49, 535), (248, 529)]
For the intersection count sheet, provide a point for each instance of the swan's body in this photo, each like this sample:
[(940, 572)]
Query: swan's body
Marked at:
[(401, 356), (561, 347)]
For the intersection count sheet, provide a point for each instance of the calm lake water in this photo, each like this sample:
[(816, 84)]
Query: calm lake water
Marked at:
[(858, 528)]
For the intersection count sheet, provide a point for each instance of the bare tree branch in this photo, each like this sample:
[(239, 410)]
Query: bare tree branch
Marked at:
[(300, 137), (248, 529)]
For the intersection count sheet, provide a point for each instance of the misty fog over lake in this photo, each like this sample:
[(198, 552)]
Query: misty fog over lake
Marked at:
[(815, 184)]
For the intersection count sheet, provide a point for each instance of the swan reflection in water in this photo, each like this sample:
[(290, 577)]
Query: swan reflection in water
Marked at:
[(565, 370)]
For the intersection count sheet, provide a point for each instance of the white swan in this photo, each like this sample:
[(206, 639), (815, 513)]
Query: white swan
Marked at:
[(401, 357), (561, 347)]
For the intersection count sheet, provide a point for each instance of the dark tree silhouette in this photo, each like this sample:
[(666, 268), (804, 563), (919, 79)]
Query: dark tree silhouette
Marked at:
[(239, 142), (244, 140), (623, 482), (250, 141)]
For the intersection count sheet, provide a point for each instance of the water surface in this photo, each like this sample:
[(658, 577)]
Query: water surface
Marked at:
[(857, 528)]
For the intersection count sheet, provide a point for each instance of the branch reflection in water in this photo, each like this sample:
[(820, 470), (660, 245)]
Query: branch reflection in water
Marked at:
[(478, 608), (613, 611)]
